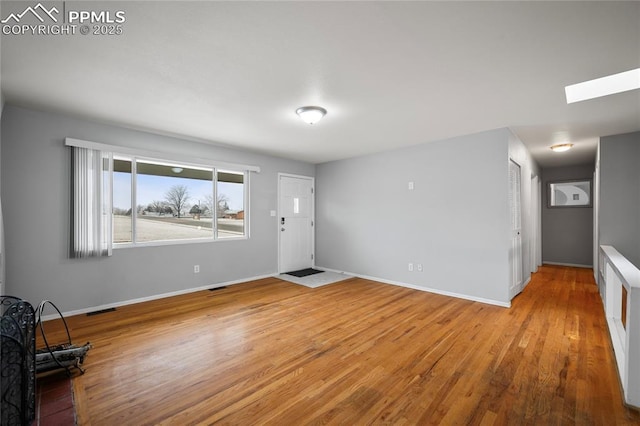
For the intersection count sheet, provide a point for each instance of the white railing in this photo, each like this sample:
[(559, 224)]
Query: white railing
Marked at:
[(619, 282)]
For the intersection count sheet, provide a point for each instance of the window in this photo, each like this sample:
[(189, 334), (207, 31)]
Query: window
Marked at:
[(576, 193), (158, 201), (122, 211), (127, 197), (230, 204)]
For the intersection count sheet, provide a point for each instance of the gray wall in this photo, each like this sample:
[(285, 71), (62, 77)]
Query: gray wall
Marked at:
[(455, 222), (620, 194), (567, 233), (35, 199)]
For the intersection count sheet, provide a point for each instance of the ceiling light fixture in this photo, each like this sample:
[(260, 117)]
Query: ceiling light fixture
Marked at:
[(562, 147), (311, 114), (176, 169), (609, 85)]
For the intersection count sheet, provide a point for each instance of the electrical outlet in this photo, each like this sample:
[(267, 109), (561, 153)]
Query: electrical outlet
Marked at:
[(196, 269), (411, 267), (419, 267)]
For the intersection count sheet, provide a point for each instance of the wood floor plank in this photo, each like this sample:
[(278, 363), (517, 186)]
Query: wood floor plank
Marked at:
[(355, 352)]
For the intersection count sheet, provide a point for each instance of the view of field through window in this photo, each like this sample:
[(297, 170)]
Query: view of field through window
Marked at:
[(175, 202)]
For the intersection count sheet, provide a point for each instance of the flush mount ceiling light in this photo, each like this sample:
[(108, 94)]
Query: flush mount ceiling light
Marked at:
[(311, 114), (562, 147), (609, 85), (176, 169)]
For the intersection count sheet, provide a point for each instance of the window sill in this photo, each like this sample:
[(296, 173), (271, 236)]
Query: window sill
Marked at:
[(117, 246)]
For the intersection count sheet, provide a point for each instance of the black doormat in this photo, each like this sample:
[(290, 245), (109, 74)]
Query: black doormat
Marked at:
[(304, 272)]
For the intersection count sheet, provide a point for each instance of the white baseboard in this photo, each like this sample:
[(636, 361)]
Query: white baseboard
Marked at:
[(154, 297), (573, 265), (243, 280), (427, 289)]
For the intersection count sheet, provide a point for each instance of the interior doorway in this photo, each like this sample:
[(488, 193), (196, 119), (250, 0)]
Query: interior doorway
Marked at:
[(515, 252)]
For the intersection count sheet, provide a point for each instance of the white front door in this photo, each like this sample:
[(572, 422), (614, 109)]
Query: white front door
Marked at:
[(515, 286), (295, 222)]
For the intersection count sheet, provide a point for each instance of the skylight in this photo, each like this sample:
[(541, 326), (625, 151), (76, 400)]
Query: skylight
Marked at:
[(604, 86)]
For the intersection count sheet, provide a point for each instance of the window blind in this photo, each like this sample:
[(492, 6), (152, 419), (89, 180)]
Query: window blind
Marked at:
[(91, 215)]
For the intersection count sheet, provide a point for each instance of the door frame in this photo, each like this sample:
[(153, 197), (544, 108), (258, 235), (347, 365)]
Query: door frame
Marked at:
[(535, 223), (312, 228), (516, 288)]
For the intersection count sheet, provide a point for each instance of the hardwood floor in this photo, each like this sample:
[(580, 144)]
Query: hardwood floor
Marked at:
[(354, 352)]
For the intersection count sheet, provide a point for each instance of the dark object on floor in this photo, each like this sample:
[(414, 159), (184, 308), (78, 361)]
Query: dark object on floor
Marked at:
[(218, 288), (61, 356), (101, 311), (18, 369), (65, 355), (304, 272)]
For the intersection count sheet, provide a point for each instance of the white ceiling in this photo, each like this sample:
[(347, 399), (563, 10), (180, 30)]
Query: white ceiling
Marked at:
[(391, 74)]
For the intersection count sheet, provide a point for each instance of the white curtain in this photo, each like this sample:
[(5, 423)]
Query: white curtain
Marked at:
[(91, 210)]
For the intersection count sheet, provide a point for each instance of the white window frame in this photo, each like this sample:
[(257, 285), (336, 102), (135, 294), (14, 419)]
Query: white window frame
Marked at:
[(179, 160)]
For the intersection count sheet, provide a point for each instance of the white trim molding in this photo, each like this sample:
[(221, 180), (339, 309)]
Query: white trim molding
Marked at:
[(154, 297), (573, 265), (622, 312)]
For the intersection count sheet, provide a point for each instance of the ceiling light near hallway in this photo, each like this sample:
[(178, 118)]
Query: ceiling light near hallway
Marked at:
[(311, 114), (562, 147), (609, 85)]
